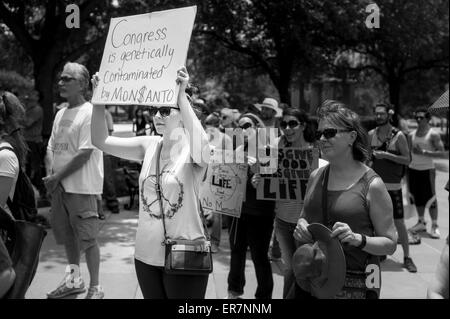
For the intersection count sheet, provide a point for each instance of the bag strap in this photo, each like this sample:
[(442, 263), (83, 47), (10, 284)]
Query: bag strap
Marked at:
[(158, 195), (325, 213)]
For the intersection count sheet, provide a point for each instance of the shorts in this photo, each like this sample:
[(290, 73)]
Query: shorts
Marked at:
[(75, 217), (421, 185), (397, 203)]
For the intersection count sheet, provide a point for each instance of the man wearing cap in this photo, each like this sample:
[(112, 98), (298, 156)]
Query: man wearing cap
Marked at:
[(425, 144), (390, 156)]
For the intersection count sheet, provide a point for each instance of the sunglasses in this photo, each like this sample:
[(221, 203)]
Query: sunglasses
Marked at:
[(246, 126), (66, 79), (419, 118), (291, 124), (164, 111), (329, 133)]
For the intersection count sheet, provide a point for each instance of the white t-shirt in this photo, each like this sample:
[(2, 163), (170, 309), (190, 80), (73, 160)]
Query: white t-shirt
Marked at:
[(72, 132), (421, 162), (9, 167), (180, 185)]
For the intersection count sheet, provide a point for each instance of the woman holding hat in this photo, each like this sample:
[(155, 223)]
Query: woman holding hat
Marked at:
[(356, 206), (254, 227)]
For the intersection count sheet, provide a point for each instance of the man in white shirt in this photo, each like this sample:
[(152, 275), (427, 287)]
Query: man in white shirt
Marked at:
[(74, 180)]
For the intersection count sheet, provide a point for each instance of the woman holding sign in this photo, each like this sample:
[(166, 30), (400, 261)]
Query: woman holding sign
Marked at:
[(182, 166), (297, 133), (356, 206)]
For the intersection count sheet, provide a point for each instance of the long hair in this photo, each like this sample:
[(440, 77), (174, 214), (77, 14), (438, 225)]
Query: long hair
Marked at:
[(11, 112), (337, 113), (309, 132)]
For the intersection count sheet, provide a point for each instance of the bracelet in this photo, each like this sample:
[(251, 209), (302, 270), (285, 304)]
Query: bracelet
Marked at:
[(363, 242)]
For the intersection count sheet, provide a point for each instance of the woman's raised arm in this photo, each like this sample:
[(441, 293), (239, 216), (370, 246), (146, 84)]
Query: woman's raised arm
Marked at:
[(131, 148)]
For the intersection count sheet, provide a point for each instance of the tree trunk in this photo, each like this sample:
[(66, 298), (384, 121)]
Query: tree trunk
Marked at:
[(394, 84), (43, 74)]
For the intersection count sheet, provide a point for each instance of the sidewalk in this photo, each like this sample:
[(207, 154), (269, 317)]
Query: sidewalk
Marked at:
[(117, 275)]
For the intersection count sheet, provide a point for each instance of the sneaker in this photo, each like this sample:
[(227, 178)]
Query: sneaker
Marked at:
[(233, 295), (63, 290), (409, 264), (95, 293), (419, 227), (214, 248), (435, 233)]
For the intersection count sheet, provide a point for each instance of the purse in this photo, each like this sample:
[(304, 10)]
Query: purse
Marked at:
[(355, 281), (183, 256)]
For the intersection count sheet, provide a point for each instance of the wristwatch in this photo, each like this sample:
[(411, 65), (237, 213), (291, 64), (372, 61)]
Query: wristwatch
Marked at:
[(363, 241)]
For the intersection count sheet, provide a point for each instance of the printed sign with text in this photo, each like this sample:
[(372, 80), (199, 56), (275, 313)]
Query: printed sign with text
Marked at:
[(141, 57), (290, 181)]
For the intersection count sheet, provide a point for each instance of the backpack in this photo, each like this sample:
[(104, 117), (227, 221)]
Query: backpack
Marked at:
[(23, 205)]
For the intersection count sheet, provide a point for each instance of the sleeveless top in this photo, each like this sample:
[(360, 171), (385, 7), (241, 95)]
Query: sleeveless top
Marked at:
[(390, 172), (347, 206), (421, 162), (179, 186)]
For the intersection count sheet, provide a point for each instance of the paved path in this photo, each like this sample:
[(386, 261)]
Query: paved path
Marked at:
[(119, 280)]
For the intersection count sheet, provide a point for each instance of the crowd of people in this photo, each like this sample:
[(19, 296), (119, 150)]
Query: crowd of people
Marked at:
[(356, 192)]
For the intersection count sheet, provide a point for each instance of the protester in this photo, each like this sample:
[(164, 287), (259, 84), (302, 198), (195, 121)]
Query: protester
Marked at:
[(297, 133), (74, 179), (390, 157), (425, 144), (182, 171), (139, 122), (221, 141), (269, 111), (11, 112), (357, 208), (254, 227), (229, 118)]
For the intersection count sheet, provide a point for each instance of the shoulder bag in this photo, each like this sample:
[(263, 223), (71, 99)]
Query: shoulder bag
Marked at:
[(183, 256)]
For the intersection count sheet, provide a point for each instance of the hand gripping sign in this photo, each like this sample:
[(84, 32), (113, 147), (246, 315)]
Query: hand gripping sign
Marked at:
[(141, 56)]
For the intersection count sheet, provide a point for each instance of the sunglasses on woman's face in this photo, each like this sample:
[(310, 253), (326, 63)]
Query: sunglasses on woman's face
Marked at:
[(164, 111), (246, 126), (291, 124), (66, 78), (329, 133)]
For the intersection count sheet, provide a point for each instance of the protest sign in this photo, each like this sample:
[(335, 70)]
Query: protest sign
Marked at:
[(141, 57), (223, 191), (290, 181)]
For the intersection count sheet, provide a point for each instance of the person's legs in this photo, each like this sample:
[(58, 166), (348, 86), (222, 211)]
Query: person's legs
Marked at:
[(433, 208), (418, 188), (109, 189), (185, 286), (238, 245), (285, 235), (259, 240), (86, 225), (150, 279), (216, 231)]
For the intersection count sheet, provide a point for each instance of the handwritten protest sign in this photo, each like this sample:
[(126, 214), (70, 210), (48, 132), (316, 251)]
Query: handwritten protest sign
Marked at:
[(290, 181), (141, 57), (224, 188)]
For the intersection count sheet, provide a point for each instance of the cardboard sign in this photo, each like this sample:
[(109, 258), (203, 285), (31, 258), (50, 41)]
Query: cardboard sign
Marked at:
[(141, 57), (223, 191), (290, 181)]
